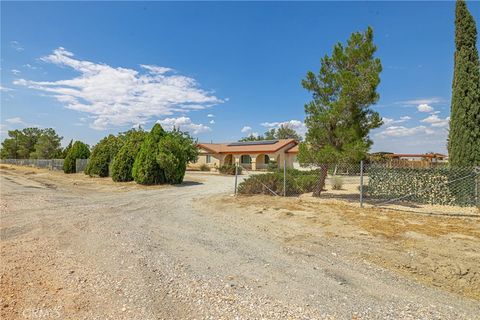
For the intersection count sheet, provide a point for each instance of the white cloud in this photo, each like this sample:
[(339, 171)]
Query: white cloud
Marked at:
[(16, 45), (389, 121), (210, 115), (183, 124), (423, 107), (15, 120), (401, 131), (436, 121), (29, 66), (15, 71), (246, 129), (156, 69), (212, 121), (115, 96), (255, 134), (4, 89), (432, 100), (296, 125)]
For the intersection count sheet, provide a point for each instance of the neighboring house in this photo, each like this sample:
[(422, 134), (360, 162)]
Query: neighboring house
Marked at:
[(429, 157), (254, 155)]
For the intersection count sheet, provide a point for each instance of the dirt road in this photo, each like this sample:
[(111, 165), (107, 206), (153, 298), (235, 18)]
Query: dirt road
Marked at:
[(79, 248)]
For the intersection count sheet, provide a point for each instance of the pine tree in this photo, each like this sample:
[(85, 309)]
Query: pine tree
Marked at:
[(146, 169), (339, 117), (102, 155), (122, 164), (79, 150), (464, 134)]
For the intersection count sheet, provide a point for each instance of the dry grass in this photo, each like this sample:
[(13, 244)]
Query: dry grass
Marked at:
[(446, 249)]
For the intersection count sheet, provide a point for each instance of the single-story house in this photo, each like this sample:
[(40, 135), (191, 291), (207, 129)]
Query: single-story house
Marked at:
[(254, 155)]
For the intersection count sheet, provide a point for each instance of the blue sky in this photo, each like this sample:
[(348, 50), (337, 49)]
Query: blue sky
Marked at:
[(219, 70)]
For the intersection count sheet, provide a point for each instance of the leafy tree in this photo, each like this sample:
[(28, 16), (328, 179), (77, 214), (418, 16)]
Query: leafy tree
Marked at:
[(102, 154), (339, 117), (48, 145), (10, 146), (31, 143), (122, 164), (285, 132), (252, 138), (464, 134), (67, 149), (175, 150), (146, 169), (79, 150), (270, 134), (27, 141)]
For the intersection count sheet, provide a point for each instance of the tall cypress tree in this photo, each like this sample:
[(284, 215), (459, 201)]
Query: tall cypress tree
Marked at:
[(464, 136)]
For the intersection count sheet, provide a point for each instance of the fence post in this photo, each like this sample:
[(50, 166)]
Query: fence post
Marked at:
[(477, 183), (236, 177), (361, 184), (284, 177)]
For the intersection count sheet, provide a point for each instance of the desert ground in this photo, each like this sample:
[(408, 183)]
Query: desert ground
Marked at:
[(74, 247)]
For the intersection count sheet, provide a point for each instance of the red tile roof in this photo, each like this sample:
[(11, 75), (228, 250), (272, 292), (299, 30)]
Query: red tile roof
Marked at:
[(267, 147)]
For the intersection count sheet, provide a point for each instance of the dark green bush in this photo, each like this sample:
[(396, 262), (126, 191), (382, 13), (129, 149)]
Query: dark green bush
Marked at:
[(306, 182), (204, 167), (79, 150), (230, 169), (146, 169), (122, 164), (297, 182), (175, 150), (272, 165), (102, 154)]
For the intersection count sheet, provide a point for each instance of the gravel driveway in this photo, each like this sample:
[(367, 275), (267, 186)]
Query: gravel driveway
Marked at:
[(75, 249)]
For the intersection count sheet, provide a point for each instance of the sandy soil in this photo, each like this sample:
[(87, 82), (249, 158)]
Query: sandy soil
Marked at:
[(74, 247)]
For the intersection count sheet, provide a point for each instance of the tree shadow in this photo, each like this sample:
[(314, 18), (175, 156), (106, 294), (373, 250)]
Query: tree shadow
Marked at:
[(188, 184)]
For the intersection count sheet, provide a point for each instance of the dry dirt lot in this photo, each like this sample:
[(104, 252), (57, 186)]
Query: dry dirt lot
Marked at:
[(74, 247)]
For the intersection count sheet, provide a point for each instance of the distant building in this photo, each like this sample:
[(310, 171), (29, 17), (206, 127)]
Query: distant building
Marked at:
[(430, 157)]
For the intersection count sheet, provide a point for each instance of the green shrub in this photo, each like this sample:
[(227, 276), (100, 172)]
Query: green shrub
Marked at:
[(146, 169), (261, 184), (122, 164), (272, 165), (79, 150), (296, 184), (204, 167), (175, 150), (306, 183), (102, 154), (230, 169), (337, 183)]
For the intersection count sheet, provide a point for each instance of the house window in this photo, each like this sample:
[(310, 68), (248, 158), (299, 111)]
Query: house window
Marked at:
[(245, 159), (267, 159), (209, 159)]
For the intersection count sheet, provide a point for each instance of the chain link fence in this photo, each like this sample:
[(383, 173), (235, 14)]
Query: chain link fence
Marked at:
[(80, 165), (51, 164), (429, 189)]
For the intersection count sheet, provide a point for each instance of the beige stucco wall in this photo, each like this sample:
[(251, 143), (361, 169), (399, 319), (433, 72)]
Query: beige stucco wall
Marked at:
[(257, 163)]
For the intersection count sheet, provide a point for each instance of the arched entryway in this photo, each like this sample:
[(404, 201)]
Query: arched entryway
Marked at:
[(262, 161), (229, 160)]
